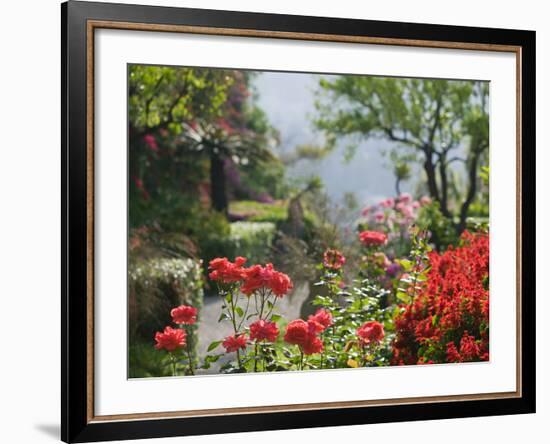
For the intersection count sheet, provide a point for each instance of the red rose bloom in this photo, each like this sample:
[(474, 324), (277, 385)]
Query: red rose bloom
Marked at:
[(261, 330), (369, 238), (333, 259), (312, 345), (321, 317), (280, 284), (225, 271), (184, 314), (170, 339), (257, 277), (297, 332), (370, 332), (303, 334), (234, 343)]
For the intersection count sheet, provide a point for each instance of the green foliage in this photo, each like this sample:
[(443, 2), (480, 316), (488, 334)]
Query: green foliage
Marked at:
[(252, 240), (144, 361), (435, 119), (155, 287), (259, 212), (164, 95), (442, 230)]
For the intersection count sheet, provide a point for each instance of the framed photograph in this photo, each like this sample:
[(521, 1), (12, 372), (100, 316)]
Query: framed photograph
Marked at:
[(276, 221)]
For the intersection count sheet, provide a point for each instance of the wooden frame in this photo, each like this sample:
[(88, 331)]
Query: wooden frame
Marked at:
[(79, 21)]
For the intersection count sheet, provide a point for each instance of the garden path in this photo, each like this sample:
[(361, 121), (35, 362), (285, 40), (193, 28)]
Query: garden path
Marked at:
[(210, 330)]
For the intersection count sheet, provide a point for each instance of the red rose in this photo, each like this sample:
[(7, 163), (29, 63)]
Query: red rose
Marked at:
[(369, 238), (261, 330), (280, 284), (297, 332), (370, 332), (333, 259), (312, 345), (257, 277), (225, 271), (234, 343), (303, 334), (170, 339), (321, 317), (184, 314)]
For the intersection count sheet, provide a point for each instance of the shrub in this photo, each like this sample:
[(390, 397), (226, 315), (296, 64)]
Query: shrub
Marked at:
[(155, 287), (250, 239), (447, 320)]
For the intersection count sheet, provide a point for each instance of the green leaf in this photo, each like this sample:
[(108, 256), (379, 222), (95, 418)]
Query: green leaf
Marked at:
[(213, 345), (403, 296), (275, 317), (239, 311)]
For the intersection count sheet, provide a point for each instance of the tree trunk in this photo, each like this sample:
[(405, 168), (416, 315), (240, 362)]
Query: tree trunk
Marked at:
[(217, 183), (472, 189), (444, 186), (430, 173)]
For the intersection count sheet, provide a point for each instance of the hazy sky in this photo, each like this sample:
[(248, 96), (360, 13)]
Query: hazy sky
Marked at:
[(288, 99)]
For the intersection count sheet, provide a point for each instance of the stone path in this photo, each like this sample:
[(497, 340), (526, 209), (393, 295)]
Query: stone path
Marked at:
[(211, 330)]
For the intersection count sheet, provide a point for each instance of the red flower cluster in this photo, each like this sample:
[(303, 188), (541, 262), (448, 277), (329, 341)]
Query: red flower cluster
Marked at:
[(226, 272), (304, 334), (371, 332), (322, 320), (234, 343), (373, 238), (170, 339), (253, 278), (264, 330), (257, 277), (184, 314), (448, 320), (333, 259)]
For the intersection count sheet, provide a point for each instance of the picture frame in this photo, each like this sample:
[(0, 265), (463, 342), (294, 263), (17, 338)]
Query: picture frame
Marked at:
[(80, 21)]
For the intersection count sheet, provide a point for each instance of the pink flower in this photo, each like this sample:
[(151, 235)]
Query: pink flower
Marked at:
[(405, 198), (333, 259), (234, 343), (170, 339), (379, 216), (387, 203), (184, 314), (425, 200), (264, 330), (151, 142)]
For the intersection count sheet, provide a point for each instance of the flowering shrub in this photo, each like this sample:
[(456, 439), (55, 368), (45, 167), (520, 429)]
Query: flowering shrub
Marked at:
[(393, 217), (447, 320), (437, 312), (158, 285)]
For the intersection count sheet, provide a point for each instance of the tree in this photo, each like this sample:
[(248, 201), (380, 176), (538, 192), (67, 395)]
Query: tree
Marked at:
[(182, 117), (438, 122)]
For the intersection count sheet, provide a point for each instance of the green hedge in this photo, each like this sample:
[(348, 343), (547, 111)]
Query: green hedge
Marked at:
[(155, 287), (252, 240)]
